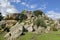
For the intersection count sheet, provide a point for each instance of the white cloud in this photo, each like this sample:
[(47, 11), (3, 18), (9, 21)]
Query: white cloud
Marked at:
[(29, 5), (12, 10), (33, 6), (16, 1), (53, 14), (23, 3), (43, 7), (6, 7)]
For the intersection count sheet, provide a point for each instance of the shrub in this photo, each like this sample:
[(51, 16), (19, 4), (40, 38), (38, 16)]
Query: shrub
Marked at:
[(55, 29), (38, 12), (1, 17), (22, 17), (40, 22), (0, 28)]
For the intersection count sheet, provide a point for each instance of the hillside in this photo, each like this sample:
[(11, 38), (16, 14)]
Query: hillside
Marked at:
[(17, 24)]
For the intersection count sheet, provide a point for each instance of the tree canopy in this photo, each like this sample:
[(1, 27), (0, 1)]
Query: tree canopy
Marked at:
[(37, 12)]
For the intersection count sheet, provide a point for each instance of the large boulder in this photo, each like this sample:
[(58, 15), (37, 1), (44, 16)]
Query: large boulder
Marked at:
[(26, 28), (35, 27), (30, 28), (57, 26), (11, 16), (47, 30), (29, 14), (38, 30), (10, 23), (15, 32), (2, 23)]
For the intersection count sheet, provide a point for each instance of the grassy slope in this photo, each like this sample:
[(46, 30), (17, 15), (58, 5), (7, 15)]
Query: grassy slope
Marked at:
[(2, 36), (30, 36), (50, 36)]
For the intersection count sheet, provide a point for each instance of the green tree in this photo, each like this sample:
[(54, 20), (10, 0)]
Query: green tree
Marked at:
[(37, 12)]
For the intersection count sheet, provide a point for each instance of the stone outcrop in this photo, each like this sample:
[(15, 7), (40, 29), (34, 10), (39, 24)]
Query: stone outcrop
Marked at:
[(15, 32), (38, 30), (58, 26), (47, 30), (2, 23), (11, 16), (29, 28), (29, 14), (16, 28), (10, 23)]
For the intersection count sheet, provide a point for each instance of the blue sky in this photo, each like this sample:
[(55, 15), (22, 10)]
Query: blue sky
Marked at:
[(50, 7), (44, 5)]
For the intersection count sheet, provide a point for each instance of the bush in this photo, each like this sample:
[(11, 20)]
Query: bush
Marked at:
[(0, 28), (1, 17), (40, 22), (38, 12), (55, 29), (22, 17)]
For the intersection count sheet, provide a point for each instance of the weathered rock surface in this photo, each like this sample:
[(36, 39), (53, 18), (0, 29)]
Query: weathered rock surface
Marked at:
[(2, 23), (10, 23), (15, 32), (47, 30), (26, 25), (58, 26), (11, 16), (30, 28), (38, 30)]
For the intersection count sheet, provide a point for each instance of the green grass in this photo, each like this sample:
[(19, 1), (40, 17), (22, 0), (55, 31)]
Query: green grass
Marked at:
[(53, 35), (2, 35)]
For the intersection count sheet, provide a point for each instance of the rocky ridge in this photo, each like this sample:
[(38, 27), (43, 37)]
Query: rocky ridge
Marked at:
[(27, 22)]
